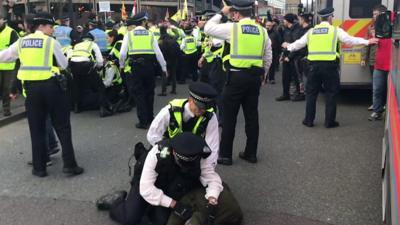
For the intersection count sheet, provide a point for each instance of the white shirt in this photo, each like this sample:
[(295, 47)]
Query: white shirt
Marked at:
[(343, 36), (161, 122), (11, 53), (222, 31), (156, 197), (157, 51), (97, 54)]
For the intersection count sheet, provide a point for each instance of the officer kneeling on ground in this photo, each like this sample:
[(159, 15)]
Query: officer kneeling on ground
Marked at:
[(172, 171), (194, 114)]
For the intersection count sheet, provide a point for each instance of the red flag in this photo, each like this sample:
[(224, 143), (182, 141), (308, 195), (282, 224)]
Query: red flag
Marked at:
[(134, 9)]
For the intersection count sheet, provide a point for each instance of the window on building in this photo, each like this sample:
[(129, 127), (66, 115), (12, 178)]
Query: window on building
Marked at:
[(362, 8)]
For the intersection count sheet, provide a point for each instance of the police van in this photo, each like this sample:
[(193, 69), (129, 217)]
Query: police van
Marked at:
[(354, 16)]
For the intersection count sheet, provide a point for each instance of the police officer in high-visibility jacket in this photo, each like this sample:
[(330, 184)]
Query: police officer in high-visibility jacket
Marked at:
[(62, 33), (323, 54), (7, 69), (89, 91), (100, 36), (247, 65), (45, 92), (194, 114), (189, 57), (142, 48)]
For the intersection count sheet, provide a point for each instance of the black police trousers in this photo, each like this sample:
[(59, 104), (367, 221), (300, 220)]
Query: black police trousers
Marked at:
[(132, 210), (189, 67), (46, 98), (141, 84), (326, 74), (241, 89), (88, 90), (217, 78)]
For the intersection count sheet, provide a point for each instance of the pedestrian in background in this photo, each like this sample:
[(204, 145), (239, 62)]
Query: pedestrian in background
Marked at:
[(276, 42), (382, 67)]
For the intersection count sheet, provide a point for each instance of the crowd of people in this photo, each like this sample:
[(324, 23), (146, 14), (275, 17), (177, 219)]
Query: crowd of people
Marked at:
[(227, 55)]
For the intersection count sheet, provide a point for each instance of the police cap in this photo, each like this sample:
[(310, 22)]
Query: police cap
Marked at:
[(92, 22), (209, 13), (203, 94), (242, 4), (326, 12), (140, 16), (64, 18), (43, 19), (109, 24), (188, 147), (88, 36), (130, 22)]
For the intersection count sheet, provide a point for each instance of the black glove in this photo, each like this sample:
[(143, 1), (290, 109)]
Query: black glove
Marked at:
[(211, 212), (183, 211)]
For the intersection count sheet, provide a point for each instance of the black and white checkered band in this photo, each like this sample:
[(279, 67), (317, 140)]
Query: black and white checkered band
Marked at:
[(186, 158), (200, 99)]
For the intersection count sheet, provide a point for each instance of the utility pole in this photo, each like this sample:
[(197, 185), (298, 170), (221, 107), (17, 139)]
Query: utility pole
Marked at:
[(70, 13), (26, 7)]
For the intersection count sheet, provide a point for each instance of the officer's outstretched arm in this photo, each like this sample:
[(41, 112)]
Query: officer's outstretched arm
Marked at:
[(10, 54)]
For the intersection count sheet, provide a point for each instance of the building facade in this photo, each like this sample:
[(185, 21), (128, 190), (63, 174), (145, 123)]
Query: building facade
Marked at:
[(156, 8)]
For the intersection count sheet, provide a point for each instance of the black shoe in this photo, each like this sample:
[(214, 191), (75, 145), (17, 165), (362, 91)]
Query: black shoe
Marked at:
[(224, 161), (162, 94), (73, 171), (48, 163), (39, 173), (308, 124), (332, 124), (272, 81), (53, 151), (107, 201), (298, 98), (104, 112), (250, 159), (142, 126), (282, 98), (7, 113)]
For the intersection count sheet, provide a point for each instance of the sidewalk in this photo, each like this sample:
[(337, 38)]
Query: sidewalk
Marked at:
[(17, 110)]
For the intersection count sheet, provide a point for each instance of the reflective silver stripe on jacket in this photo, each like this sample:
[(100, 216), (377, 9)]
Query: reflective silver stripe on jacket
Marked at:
[(333, 48), (47, 56), (235, 55)]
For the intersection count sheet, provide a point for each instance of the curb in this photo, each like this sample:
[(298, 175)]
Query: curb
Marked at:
[(17, 114)]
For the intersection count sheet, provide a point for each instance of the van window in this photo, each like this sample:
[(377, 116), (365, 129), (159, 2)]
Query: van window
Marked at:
[(362, 8)]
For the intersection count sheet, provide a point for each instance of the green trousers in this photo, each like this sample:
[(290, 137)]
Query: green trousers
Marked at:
[(228, 211)]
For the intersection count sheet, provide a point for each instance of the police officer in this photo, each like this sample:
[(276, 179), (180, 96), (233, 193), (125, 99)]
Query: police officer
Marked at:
[(322, 44), (249, 61), (100, 36), (45, 92), (142, 48), (7, 69), (189, 57), (85, 60), (194, 114), (172, 170), (63, 32)]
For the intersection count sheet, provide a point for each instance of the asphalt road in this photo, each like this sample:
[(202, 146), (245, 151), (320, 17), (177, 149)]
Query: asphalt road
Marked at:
[(305, 176)]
